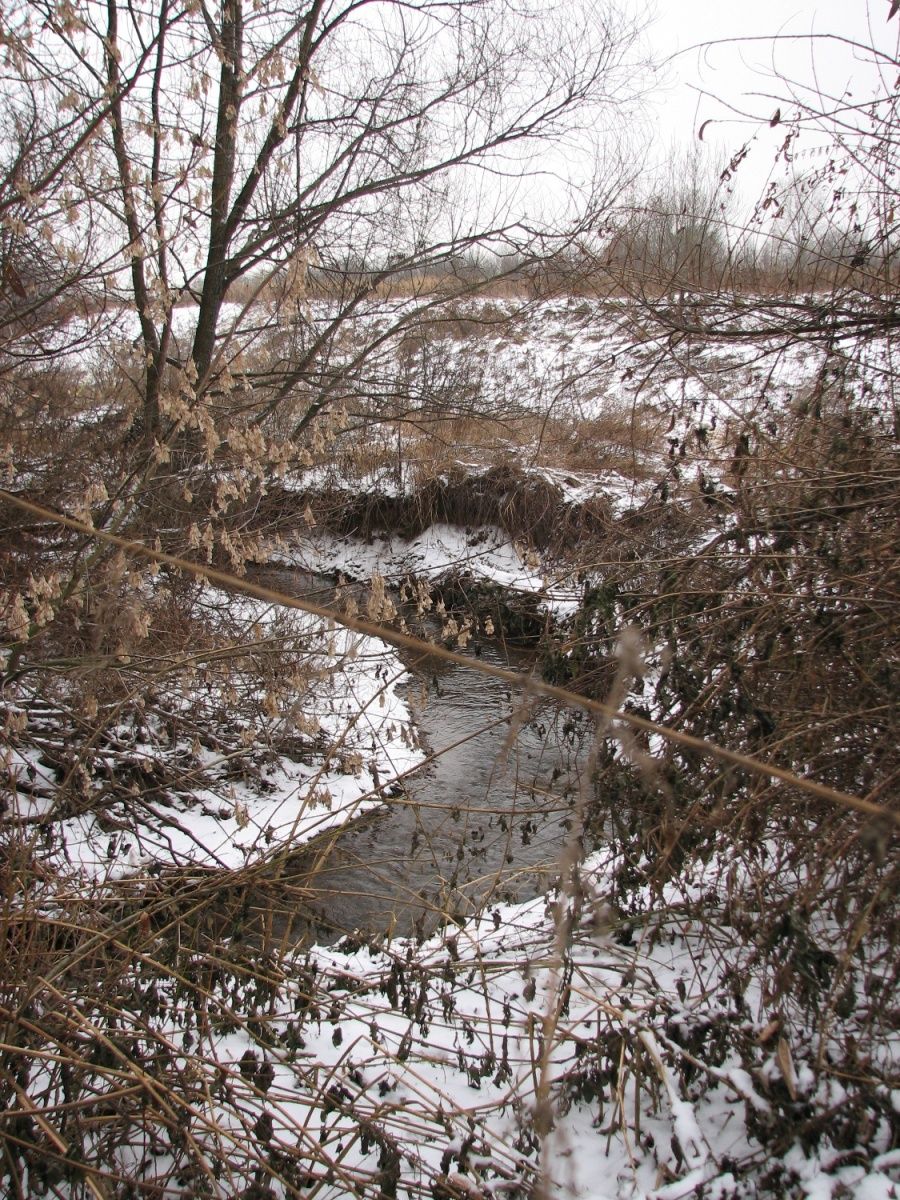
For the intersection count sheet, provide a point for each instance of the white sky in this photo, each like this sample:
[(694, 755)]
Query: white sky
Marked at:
[(745, 74)]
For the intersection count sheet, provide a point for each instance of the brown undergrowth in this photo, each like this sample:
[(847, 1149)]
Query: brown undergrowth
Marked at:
[(750, 602)]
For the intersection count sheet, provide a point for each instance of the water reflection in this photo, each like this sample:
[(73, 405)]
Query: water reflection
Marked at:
[(484, 820)]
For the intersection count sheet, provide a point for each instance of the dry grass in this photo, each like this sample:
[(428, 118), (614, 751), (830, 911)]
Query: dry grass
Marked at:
[(629, 441), (778, 640), (116, 1001)]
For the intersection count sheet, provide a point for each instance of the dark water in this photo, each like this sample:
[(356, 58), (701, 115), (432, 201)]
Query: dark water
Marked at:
[(483, 821)]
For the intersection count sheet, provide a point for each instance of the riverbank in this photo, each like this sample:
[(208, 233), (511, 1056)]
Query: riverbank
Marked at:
[(280, 736), (701, 1007), (616, 1038)]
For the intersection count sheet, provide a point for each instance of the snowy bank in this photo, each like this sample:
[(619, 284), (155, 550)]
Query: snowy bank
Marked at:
[(235, 795)]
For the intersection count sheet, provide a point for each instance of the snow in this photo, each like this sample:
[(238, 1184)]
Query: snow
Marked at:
[(435, 1046), (455, 1079), (483, 553), (355, 706)]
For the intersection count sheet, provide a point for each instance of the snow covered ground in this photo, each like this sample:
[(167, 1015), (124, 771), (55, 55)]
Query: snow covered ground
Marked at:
[(642, 1103), (483, 553), (563, 1045), (549, 1048), (355, 726), (568, 357), (607, 1055)]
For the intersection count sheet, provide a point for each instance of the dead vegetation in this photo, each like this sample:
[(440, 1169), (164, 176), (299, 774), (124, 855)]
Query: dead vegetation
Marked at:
[(706, 995), (753, 589)]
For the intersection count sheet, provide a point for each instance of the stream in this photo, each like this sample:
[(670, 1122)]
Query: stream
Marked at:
[(482, 821)]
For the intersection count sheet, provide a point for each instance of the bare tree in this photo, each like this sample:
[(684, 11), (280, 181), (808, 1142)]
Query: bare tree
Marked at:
[(820, 240), (229, 192), (674, 237), (255, 141)]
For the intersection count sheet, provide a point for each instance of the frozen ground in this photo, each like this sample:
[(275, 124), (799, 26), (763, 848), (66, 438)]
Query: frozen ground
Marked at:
[(423, 1069), (484, 554), (669, 1116), (246, 799), (567, 357), (430, 1068)]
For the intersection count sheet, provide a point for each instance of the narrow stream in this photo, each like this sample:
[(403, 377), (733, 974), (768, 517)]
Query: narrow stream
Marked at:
[(484, 820)]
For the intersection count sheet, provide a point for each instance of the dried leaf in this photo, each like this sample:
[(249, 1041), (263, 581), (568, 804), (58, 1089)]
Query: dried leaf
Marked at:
[(772, 1028), (776, 116), (785, 1059), (12, 277)]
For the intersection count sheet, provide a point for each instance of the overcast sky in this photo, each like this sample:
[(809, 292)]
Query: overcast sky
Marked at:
[(745, 74)]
